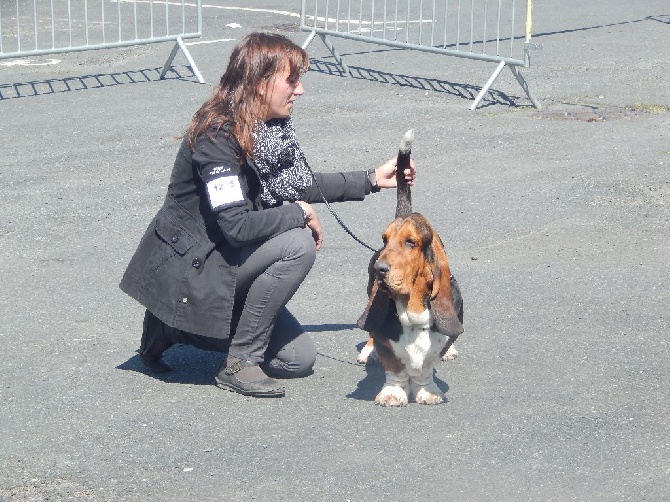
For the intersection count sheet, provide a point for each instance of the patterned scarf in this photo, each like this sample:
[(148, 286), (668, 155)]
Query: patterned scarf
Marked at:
[(283, 168)]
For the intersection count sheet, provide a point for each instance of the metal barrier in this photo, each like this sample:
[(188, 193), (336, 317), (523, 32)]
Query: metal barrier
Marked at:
[(38, 27), (487, 30)]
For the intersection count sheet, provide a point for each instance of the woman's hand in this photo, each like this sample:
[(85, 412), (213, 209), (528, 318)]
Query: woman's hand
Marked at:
[(386, 173), (312, 222)]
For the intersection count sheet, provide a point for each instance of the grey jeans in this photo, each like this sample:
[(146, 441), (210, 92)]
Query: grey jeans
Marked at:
[(263, 330)]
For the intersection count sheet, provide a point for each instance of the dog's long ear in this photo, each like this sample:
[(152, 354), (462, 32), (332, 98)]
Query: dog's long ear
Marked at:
[(377, 308), (376, 311), (371, 271), (447, 320)]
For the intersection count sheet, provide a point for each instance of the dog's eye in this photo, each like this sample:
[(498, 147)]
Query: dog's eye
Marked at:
[(410, 243)]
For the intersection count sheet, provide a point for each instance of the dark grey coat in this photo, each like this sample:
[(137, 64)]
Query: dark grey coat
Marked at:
[(184, 268)]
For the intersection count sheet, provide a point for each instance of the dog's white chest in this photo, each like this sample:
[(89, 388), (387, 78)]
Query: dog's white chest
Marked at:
[(418, 345)]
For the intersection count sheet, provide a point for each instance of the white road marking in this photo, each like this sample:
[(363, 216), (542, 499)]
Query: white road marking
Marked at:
[(29, 62)]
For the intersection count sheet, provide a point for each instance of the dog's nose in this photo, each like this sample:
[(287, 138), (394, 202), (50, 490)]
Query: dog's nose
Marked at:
[(381, 268)]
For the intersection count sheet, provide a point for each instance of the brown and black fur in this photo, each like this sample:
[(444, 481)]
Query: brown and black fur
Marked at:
[(411, 268)]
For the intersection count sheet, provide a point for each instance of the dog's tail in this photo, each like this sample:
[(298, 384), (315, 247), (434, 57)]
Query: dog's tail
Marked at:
[(404, 203)]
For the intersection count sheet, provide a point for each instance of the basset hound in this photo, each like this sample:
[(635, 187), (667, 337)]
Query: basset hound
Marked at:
[(415, 309)]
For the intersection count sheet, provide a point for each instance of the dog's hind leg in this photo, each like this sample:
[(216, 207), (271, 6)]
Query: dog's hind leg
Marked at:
[(450, 354), (367, 353)]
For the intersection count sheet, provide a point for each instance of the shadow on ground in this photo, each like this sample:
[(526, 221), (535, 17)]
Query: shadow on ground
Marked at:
[(91, 82), (191, 366), (464, 91)]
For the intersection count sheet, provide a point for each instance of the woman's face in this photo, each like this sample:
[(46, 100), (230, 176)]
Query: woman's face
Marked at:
[(281, 93)]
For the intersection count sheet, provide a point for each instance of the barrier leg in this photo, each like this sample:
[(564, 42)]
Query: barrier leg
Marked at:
[(331, 48), (338, 58), (180, 45), (488, 85), (524, 86), (309, 39)]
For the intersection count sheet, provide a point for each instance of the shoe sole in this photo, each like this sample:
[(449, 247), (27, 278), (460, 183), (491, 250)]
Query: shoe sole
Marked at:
[(237, 390)]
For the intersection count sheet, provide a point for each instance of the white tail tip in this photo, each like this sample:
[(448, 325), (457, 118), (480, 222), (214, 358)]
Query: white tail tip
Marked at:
[(406, 142)]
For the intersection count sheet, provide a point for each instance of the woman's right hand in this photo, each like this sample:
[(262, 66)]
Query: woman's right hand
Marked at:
[(312, 222)]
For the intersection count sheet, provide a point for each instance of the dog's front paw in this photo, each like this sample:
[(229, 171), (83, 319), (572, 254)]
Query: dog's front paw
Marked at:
[(392, 395), (450, 354), (429, 396)]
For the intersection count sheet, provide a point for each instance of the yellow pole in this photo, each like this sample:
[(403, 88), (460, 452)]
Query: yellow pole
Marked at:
[(529, 19)]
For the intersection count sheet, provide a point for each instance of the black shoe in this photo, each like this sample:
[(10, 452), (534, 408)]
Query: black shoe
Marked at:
[(248, 379), (155, 340), (157, 365)]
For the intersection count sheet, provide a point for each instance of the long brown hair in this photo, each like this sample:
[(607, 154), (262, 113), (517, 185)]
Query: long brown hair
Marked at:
[(237, 100)]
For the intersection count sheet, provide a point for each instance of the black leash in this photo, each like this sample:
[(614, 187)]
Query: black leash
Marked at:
[(337, 218)]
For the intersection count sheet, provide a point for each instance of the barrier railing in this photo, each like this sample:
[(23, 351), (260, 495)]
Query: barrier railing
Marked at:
[(486, 30), (38, 27)]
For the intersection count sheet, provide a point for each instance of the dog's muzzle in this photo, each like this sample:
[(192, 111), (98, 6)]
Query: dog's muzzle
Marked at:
[(381, 269)]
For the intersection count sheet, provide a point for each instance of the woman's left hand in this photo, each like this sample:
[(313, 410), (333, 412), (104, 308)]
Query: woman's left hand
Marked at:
[(386, 173), (312, 222)]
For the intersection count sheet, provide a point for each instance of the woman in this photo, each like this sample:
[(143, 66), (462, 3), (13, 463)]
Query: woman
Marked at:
[(228, 249)]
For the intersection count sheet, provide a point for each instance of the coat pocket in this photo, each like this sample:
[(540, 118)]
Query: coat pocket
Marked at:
[(176, 242), (174, 235)]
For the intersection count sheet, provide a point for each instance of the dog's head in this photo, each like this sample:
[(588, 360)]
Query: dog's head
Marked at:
[(411, 267)]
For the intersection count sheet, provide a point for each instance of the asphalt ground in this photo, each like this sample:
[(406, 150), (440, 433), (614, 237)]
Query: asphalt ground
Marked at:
[(555, 223)]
